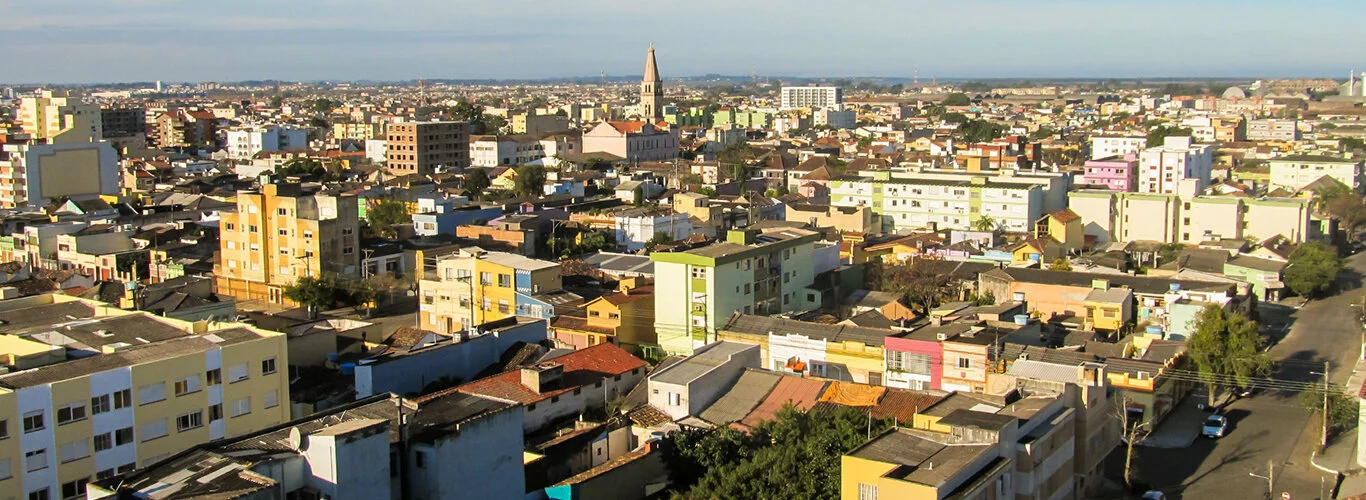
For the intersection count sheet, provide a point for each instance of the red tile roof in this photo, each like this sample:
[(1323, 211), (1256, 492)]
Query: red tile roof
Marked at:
[(800, 392), (1065, 215), (903, 404), (581, 367), (628, 127)]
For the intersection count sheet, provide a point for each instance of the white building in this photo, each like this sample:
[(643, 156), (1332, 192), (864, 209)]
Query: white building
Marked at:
[(1161, 169), (34, 173), (834, 118), (1105, 146), (244, 143), (953, 199), (636, 227), (689, 386), (376, 150), (1294, 172), (811, 97), (1272, 129)]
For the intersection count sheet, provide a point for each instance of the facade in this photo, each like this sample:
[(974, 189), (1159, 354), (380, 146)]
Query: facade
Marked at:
[(952, 199), (281, 233), (637, 226), (843, 353), (1272, 129), (123, 122), (244, 143), (46, 117), (32, 174), (357, 131), (625, 317), (1104, 146), (752, 272), (181, 128), (421, 147), (651, 90), (1295, 172), (1169, 218), (146, 388), (475, 286), (1114, 173), (633, 140), (687, 387), (811, 97), (1164, 169)]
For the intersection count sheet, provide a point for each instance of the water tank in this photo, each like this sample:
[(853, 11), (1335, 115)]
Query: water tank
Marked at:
[(1175, 287), (1022, 319), (1019, 297), (1154, 330), (348, 368)]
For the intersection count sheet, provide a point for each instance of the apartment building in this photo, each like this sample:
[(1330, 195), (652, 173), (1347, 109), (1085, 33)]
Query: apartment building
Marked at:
[(123, 123), (811, 97), (474, 286), (532, 123), (357, 131), (422, 147), (282, 232), (34, 172), (633, 140), (1168, 218), (761, 272), (1119, 173), (634, 227), (1295, 172), (46, 116), (92, 391), (1273, 129), (952, 199), (514, 150), (1107, 146), (1179, 165), (245, 142), (182, 128)]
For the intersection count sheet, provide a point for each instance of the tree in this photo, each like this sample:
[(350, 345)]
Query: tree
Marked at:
[(312, 293), (1342, 409), (1159, 134), (985, 223), (957, 99), (1132, 432), (1060, 264), (530, 181), (1042, 133), (1226, 350), (476, 181), (919, 287), (386, 213), (955, 118), (1312, 270), (709, 192), (980, 131), (658, 239)]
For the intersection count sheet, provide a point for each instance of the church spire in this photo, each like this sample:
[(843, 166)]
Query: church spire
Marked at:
[(651, 68), (652, 90)]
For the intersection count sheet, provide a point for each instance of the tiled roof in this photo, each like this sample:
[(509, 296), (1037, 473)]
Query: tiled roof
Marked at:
[(799, 392), (638, 293), (1065, 215), (581, 367), (752, 387), (903, 404), (578, 324)]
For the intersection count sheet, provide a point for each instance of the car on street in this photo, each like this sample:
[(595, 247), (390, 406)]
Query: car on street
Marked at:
[(1215, 426)]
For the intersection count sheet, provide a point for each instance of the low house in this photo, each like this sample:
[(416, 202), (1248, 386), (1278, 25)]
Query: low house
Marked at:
[(687, 387), (1264, 275)]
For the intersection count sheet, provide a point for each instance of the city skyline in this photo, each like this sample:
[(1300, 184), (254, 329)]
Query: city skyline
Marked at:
[(77, 41)]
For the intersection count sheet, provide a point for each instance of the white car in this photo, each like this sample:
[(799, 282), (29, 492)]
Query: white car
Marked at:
[(1215, 426)]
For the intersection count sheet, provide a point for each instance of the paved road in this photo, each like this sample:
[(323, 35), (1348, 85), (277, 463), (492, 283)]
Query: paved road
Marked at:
[(1271, 426)]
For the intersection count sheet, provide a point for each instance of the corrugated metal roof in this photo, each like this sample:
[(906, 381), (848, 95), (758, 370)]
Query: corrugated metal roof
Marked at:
[(752, 387)]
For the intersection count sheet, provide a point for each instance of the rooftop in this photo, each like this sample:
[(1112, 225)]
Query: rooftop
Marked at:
[(764, 325), (701, 362), (581, 367)]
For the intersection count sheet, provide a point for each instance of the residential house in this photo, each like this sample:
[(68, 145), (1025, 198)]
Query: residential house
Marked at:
[(475, 286), (689, 386)]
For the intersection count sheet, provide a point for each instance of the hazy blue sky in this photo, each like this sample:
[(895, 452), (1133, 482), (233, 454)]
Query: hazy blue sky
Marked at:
[(223, 40)]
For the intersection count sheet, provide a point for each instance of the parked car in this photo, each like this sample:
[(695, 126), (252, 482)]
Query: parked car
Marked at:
[(1215, 426)]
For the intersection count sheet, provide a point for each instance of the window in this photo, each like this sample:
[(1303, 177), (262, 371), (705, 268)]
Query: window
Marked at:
[(187, 385), (123, 399), (33, 421), (151, 393), (5, 469), (192, 420), (420, 459), (699, 273), (747, 289), (505, 281), (674, 398), (272, 399), (281, 211), (35, 460), (38, 494), (229, 226), (252, 229), (126, 468), (216, 412), (237, 373), (268, 366), (104, 441), (964, 363), (123, 436), (214, 376), (488, 304), (99, 404), (503, 306), (241, 407), (70, 413), (283, 232), (485, 278), (154, 429), (74, 450)]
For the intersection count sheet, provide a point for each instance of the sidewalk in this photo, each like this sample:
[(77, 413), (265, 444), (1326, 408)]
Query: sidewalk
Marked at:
[(1181, 427), (1340, 457)]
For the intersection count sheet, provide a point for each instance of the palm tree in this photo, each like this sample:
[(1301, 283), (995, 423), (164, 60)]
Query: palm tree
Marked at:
[(985, 223)]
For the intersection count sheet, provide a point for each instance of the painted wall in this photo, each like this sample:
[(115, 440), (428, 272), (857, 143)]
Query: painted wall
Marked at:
[(409, 373)]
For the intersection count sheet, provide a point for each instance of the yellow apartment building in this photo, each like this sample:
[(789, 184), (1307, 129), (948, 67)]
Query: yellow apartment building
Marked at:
[(475, 286), (283, 232), (93, 391), (46, 117), (625, 318)]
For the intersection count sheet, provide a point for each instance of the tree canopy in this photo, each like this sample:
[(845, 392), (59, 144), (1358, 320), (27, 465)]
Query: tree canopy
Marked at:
[(957, 99), (388, 212), (1060, 264), (921, 288), (796, 455), (530, 181), (312, 293), (476, 181), (1159, 135), (980, 131), (1312, 270), (1226, 349)]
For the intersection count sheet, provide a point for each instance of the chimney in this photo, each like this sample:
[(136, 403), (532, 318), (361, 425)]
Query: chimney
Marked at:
[(543, 377)]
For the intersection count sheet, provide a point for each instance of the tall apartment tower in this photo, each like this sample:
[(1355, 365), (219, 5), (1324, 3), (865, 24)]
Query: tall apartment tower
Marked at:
[(420, 147), (652, 90), (46, 117)]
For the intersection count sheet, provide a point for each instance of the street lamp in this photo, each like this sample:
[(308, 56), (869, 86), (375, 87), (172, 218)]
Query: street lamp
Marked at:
[(1323, 440), (1270, 474)]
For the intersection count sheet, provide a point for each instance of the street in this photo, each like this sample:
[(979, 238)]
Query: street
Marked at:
[(1271, 426)]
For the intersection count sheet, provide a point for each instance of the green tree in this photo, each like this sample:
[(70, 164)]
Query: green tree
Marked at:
[(300, 166), (957, 99), (956, 118), (985, 223), (1042, 133), (1060, 264), (658, 239), (1226, 350), (1312, 270), (312, 293), (920, 288), (1158, 135), (980, 131), (1342, 409), (530, 181), (709, 192), (386, 213), (476, 181)]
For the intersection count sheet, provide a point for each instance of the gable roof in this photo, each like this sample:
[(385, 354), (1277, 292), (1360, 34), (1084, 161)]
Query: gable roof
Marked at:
[(581, 367)]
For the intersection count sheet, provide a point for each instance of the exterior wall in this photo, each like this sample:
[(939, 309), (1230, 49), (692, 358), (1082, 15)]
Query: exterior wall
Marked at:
[(855, 472), (811, 97), (972, 378), (34, 174), (482, 461), (1211, 217), (1116, 174), (1097, 210), (1162, 168), (633, 232), (931, 378), (856, 362), (1295, 172), (1106, 147), (420, 147), (589, 397), (1273, 130), (345, 467), (461, 360), (1147, 217), (699, 393), (1291, 218)]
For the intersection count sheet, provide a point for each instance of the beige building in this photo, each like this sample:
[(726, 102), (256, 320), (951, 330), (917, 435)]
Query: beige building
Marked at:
[(34, 172), (357, 131), (46, 117), (93, 391), (421, 147), (282, 232), (1294, 172), (633, 140), (1168, 218)]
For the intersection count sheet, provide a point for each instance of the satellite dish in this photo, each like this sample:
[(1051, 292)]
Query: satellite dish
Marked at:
[(296, 440)]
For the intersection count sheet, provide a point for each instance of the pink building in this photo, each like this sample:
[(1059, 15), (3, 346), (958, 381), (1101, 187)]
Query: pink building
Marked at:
[(1119, 174)]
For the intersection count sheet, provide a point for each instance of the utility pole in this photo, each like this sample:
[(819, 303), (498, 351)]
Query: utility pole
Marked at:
[(1324, 440)]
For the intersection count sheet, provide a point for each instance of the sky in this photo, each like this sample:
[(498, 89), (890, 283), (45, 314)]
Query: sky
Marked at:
[(80, 41)]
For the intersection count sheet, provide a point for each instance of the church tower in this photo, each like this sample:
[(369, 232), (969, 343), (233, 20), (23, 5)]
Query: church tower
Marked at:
[(652, 90)]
